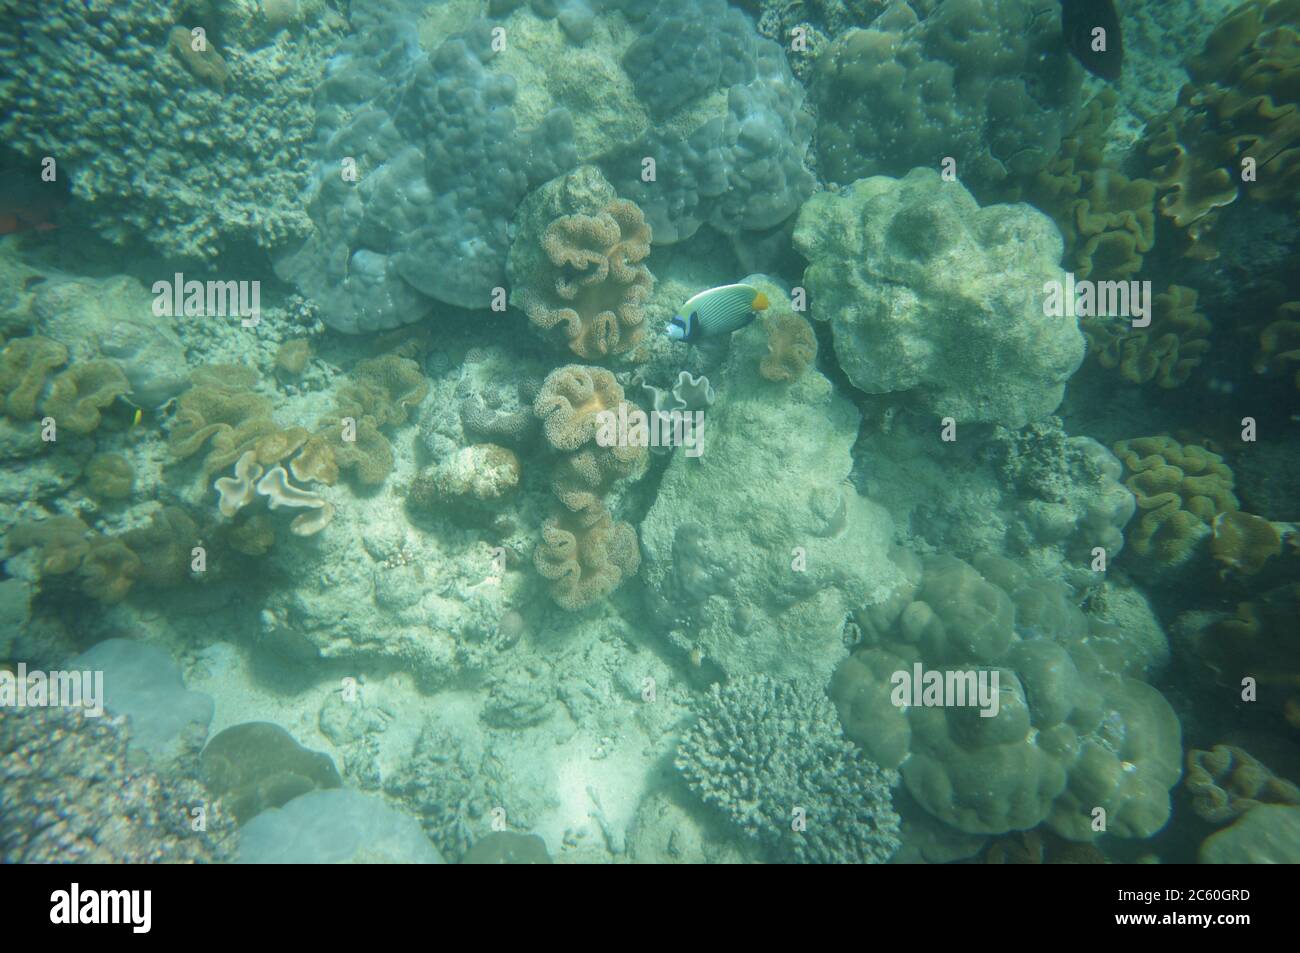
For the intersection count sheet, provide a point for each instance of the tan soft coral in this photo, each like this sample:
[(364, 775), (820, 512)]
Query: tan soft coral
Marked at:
[(597, 282), (1243, 103), (571, 400), (791, 347), (1226, 782), (25, 363), (385, 388), (1166, 352), (584, 478), (1106, 218), (585, 562), (1180, 489), (1279, 343)]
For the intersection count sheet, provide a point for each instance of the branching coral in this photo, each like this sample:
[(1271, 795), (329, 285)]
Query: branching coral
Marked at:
[(768, 754), (597, 284), (585, 561), (1236, 128), (1166, 352), (1180, 489)]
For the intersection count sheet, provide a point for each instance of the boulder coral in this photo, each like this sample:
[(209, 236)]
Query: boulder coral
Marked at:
[(1180, 489), (757, 550), (1071, 732), (585, 562), (980, 82), (930, 294)]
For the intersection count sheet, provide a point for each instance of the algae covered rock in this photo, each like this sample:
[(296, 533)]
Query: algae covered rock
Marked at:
[(258, 765), (928, 293), (755, 551)]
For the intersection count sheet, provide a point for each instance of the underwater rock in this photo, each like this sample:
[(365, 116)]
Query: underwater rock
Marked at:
[(144, 684), (339, 826), (757, 550), (508, 847)]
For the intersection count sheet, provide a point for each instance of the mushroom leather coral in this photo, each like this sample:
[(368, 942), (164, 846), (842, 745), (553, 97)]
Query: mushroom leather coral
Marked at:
[(569, 401), (585, 563), (1166, 352), (599, 284)]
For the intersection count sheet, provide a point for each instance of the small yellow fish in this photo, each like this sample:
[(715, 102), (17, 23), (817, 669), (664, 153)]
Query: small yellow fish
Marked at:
[(137, 417)]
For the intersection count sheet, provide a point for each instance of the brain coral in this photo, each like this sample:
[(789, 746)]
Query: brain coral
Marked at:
[(585, 561), (1069, 734), (1180, 489), (929, 293), (981, 81), (767, 752), (584, 274)]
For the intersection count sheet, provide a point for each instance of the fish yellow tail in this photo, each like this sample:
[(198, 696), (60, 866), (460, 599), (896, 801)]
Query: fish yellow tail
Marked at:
[(760, 302)]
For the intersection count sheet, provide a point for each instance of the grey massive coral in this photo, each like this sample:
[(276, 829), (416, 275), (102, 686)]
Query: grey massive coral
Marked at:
[(768, 753)]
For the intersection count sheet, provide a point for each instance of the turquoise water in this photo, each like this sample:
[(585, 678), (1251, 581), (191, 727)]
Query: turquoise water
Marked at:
[(603, 431)]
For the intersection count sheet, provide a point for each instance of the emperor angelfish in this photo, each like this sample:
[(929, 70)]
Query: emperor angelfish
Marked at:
[(715, 312)]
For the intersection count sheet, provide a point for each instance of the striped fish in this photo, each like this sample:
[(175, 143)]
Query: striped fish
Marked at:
[(715, 312)]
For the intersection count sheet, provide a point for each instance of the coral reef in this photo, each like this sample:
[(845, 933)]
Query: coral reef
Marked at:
[(570, 400), (757, 551), (982, 82), (1071, 731), (1180, 489), (768, 754), (192, 153), (928, 292), (583, 275), (440, 165)]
